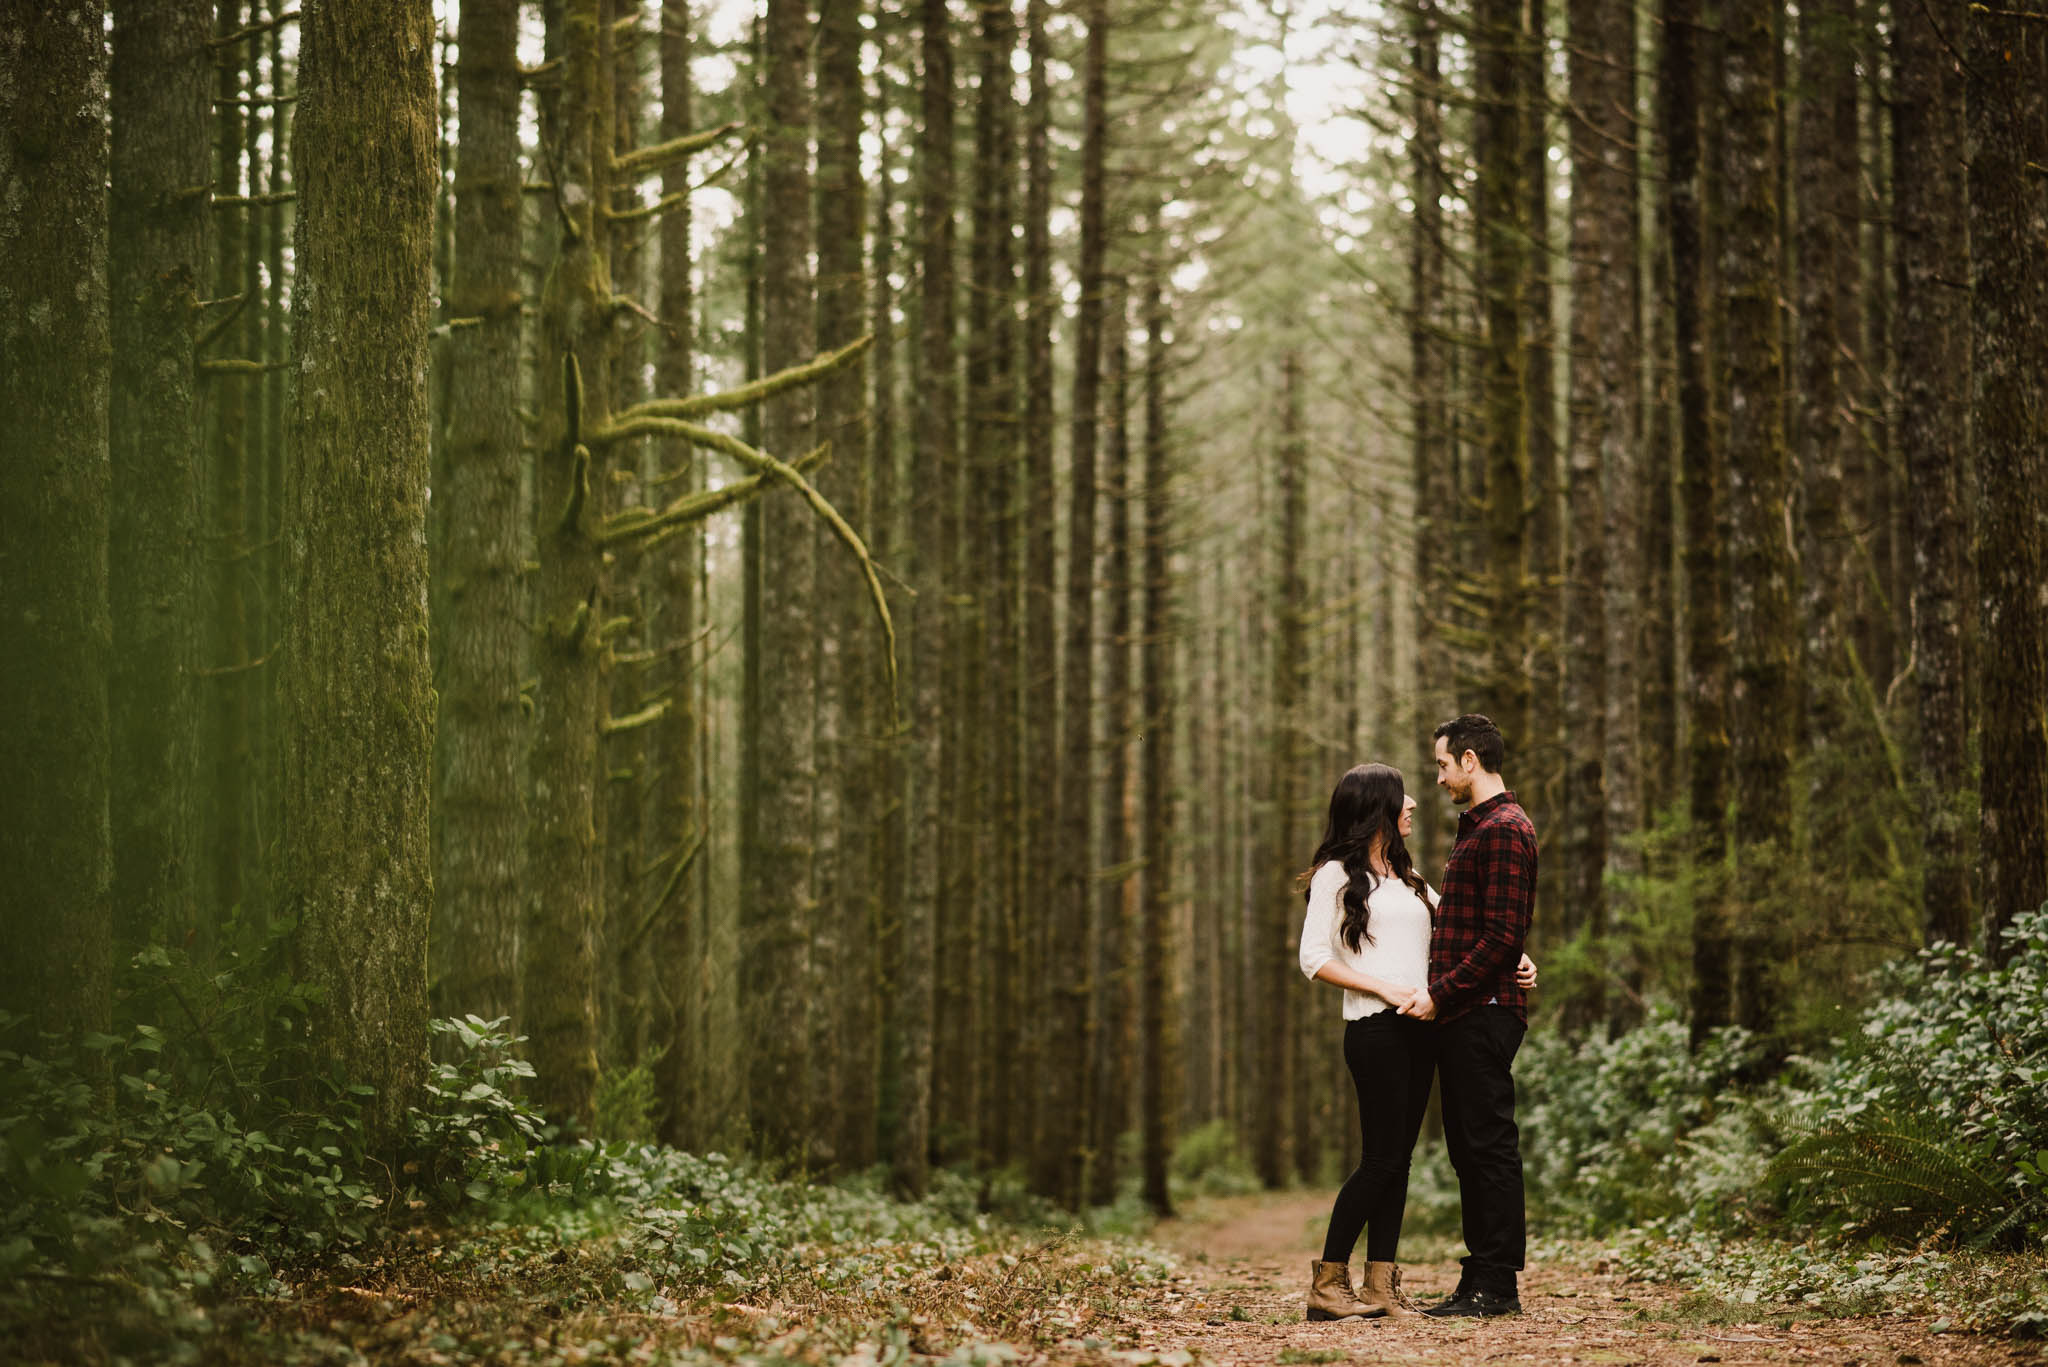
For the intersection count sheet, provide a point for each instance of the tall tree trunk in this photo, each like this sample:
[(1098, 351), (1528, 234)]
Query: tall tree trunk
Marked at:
[(1499, 71), (1700, 474), (1436, 489), (1541, 773), (226, 738), (1762, 620), (1933, 365), (1117, 901), (1040, 774), (1607, 123), (1158, 999), (1277, 927), (558, 936), (2007, 96), (992, 436), (776, 879), (1070, 1088), (1601, 459), (852, 712), (158, 247), (675, 805), (480, 739), (1826, 170), (56, 635), (358, 690)]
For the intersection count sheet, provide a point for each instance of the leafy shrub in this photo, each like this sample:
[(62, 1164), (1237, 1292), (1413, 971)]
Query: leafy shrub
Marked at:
[(1210, 1161), (1934, 1119)]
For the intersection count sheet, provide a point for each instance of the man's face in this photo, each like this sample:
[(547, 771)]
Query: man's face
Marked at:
[(1453, 776)]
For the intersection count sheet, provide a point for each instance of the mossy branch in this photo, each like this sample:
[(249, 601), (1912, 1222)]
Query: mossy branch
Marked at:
[(623, 425), (643, 161), (646, 716), (237, 366), (753, 459), (636, 523)]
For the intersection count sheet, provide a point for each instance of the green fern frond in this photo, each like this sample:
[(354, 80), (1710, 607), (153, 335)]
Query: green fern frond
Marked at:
[(1889, 1174)]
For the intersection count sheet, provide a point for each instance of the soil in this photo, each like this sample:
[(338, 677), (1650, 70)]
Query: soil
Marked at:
[(1248, 1262)]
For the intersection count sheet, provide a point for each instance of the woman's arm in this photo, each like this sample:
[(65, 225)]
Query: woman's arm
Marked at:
[(1392, 993)]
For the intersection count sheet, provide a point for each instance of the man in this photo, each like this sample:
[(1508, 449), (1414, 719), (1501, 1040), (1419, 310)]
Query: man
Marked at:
[(1489, 893)]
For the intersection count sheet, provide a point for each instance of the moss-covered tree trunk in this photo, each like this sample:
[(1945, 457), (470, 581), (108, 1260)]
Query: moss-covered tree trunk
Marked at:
[(1067, 1088), (776, 880), (1705, 682), (1933, 365), (161, 81), (558, 933), (853, 713), (1116, 913), (992, 432), (1600, 457), (1159, 1003), (480, 742), (55, 632), (1278, 1081), (358, 693), (675, 800), (2007, 96), (1435, 473), (1825, 172), (1763, 621), (1040, 775), (1502, 267)]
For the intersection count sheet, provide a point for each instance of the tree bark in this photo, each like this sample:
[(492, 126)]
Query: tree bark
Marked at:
[(1933, 366), (480, 740), (1070, 1057), (1762, 616), (992, 436), (1499, 73), (358, 690), (1159, 1003), (852, 712), (1039, 684), (1700, 474), (158, 254), (56, 635), (2007, 98), (675, 802), (1117, 906), (558, 936), (777, 903), (1436, 488)]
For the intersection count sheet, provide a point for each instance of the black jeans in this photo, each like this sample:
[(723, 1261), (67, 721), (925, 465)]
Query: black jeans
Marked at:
[(1391, 1058), (1476, 1055)]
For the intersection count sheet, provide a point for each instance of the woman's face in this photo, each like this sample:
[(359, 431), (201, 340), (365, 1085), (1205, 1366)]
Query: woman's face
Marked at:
[(1407, 823)]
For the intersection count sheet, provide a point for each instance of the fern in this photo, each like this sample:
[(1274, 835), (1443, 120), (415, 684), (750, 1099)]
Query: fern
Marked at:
[(1896, 1176)]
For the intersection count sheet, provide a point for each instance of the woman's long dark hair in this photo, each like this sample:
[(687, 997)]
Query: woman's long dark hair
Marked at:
[(1365, 809)]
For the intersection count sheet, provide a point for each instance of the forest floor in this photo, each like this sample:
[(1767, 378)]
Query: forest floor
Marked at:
[(1221, 1286), (1248, 1258)]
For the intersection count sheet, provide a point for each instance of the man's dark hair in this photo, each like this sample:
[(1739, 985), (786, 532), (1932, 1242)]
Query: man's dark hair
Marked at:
[(1477, 734)]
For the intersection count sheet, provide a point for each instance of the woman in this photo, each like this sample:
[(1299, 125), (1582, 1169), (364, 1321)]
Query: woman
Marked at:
[(1367, 931)]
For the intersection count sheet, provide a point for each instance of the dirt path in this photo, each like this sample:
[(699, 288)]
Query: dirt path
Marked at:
[(1248, 1262)]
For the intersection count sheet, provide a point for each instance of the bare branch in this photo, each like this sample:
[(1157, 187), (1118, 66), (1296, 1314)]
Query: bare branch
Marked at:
[(227, 39)]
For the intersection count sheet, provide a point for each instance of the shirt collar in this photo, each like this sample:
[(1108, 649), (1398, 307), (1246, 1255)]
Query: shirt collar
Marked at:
[(1473, 816)]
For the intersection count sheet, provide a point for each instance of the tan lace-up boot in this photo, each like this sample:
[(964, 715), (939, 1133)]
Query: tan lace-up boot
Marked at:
[(1382, 1291), (1330, 1296)]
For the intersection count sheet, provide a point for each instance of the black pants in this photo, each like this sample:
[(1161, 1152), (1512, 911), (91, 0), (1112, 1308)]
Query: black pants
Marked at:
[(1391, 1058), (1476, 1055)]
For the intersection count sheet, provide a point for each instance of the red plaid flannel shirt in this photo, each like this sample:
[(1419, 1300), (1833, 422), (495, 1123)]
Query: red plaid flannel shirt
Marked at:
[(1482, 918)]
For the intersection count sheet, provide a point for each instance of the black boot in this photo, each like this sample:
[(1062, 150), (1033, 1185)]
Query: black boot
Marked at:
[(1479, 1298)]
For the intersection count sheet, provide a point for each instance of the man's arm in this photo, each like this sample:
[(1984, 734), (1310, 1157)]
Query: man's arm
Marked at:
[(1507, 868)]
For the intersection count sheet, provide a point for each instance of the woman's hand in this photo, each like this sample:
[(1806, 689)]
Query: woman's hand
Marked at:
[(1525, 973), (1397, 996)]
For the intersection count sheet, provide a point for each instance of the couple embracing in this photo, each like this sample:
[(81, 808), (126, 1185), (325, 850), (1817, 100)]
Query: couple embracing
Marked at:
[(1435, 985)]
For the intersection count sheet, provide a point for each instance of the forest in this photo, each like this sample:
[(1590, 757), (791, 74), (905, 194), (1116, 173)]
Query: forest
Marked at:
[(671, 666)]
